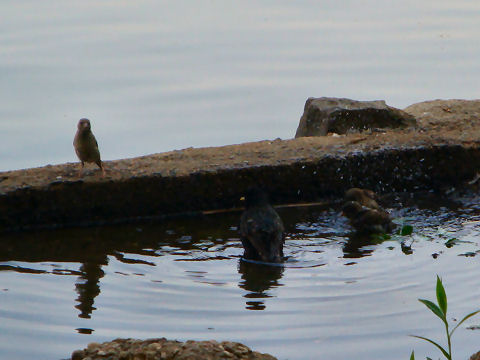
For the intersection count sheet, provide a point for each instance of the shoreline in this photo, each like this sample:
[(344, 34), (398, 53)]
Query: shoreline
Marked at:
[(442, 151)]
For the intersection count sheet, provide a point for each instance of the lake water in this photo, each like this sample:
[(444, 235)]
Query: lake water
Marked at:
[(336, 297), (161, 75)]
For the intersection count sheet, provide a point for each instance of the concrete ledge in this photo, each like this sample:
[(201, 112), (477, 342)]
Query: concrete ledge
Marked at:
[(444, 150)]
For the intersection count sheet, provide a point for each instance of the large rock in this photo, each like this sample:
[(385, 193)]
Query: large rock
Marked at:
[(452, 113), (163, 349), (333, 115)]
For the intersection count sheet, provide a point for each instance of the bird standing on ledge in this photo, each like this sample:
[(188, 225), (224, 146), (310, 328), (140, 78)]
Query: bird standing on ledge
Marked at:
[(261, 228), (86, 145)]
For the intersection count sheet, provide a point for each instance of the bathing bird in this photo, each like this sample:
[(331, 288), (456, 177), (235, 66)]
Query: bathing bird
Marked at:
[(367, 220), (86, 146), (364, 197), (261, 229)]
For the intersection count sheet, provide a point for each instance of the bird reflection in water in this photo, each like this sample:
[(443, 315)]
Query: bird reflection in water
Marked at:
[(359, 245), (88, 288), (257, 279), (44, 249)]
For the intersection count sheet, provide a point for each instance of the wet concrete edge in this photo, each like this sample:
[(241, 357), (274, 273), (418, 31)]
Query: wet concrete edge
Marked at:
[(80, 203)]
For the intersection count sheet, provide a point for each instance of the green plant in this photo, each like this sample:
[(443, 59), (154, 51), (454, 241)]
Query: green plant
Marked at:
[(440, 310), (405, 230), (450, 242)]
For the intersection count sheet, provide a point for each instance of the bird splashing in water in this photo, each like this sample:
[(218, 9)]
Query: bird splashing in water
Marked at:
[(261, 229)]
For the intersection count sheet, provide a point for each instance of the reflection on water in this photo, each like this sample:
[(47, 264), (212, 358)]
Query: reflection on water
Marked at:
[(257, 279), (185, 279), (88, 288)]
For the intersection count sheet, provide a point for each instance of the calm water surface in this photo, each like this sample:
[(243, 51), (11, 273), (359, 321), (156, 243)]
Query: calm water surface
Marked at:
[(161, 75), (336, 297)]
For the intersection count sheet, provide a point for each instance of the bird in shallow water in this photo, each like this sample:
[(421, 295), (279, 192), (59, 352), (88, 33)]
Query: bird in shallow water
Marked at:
[(86, 146), (367, 220), (261, 229), (364, 197)]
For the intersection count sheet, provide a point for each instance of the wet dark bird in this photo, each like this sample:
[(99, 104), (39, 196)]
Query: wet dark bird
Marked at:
[(367, 220), (261, 229), (364, 197), (86, 146)]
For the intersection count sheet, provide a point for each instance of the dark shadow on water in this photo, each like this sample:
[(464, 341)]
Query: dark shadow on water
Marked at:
[(257, 279), (360, 245), (84, 252), (52, 252), (88, 288), (356, 244), (88, 247), (85, 331)]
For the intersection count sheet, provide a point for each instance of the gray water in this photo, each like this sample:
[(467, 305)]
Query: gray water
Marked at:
[(337, 296), (161, 75)]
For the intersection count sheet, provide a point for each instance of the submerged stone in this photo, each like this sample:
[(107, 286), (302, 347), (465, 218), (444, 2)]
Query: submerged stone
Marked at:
[(341, 116)]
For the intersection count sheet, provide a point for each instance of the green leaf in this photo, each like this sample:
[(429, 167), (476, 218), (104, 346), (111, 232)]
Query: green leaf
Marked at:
[(450, 242), (412, 355), (406, 230), (434, 308), (444, 352), (465, 318), (441, 297)]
